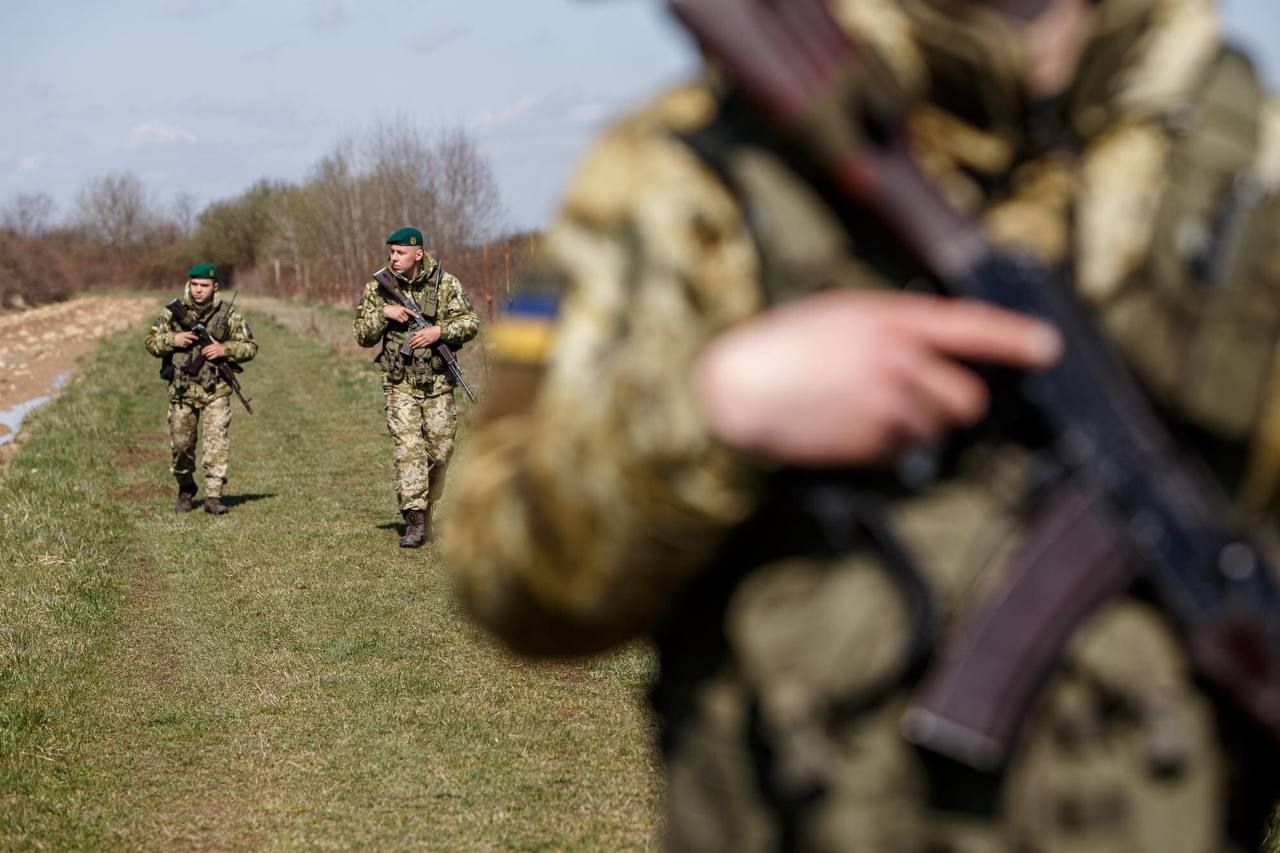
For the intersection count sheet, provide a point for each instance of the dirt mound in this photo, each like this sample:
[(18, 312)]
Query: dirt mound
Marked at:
[(40, 348)]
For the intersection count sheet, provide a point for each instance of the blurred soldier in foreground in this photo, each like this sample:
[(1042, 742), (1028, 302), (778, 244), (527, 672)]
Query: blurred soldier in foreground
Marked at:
[(705, 325), (414, 300), (200, 380)]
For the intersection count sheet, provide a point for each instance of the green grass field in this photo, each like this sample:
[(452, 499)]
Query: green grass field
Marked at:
[(282, 676)]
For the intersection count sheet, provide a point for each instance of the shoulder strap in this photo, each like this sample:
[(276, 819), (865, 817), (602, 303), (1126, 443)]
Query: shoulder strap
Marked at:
[(1217, 135), (220, 322)]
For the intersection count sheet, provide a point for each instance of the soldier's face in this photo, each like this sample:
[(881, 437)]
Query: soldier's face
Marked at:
[(202, 289), (1054, 44), (404, 258)]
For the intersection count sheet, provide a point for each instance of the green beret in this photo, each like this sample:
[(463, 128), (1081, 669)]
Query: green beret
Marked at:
[(203, 271), (406, 237)]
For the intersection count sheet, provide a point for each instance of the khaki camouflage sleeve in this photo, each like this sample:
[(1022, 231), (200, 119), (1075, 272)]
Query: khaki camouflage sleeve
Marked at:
[(370, 323), (240, 345), (159, 340), (459, 322), (592, 490)]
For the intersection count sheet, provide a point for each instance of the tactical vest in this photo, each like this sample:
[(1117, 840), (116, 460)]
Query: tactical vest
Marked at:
[(218, 323), (738, 635), (1200, 317), (425, 365)]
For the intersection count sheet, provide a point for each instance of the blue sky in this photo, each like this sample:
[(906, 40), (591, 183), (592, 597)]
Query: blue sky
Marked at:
[(206, 96)]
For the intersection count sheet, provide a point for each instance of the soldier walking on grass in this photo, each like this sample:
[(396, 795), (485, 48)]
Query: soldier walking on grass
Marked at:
[(421, 415), (198, 380)]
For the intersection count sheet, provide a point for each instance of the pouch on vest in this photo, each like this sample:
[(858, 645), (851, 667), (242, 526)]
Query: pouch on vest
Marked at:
[(419, 368), (429, 302), (1202, 269)]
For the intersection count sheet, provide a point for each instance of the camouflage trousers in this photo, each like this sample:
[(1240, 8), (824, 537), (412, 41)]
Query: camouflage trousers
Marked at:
[(184, 421), (422, 431)]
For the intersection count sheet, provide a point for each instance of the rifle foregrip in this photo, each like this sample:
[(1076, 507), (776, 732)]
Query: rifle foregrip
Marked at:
[(978, 689)]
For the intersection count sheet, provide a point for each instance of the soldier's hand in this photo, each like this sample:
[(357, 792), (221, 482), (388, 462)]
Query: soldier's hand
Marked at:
[(183, 340), (214, 351), (397, 313), (425, 337), (856, 378)]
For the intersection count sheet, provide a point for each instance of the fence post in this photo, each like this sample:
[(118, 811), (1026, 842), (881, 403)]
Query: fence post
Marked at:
[(506, 261)]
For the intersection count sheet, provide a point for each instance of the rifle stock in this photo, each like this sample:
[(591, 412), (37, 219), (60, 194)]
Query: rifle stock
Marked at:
[(1144, 501)]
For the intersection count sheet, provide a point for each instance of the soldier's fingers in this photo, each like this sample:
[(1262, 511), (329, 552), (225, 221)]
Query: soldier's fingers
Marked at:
[(920, 419), (976, 331), (957, 393), (895, 402)]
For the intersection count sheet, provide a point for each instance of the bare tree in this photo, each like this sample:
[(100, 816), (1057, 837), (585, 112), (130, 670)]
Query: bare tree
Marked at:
[(440, 183), (28, 214), (330, 230), (183, 212), (114, 209), (469, 208)]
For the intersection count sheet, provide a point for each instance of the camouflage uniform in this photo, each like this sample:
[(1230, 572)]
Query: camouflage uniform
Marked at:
[(595, 498), (421, 415), (205, 395)]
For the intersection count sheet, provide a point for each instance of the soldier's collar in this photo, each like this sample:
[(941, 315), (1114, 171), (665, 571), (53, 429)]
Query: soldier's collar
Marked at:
[(425, 270), (203, 310)]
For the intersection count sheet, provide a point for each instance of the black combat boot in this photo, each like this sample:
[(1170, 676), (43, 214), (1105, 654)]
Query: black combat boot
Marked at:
[(186, 491), (415, 521), (214, 505)]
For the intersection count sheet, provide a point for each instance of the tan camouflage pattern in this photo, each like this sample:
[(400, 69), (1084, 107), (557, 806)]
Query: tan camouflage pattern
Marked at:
[(184, 423), (450, 305), (652, 268), (587, 498), (206, 386), (422, 427), (421, 413)]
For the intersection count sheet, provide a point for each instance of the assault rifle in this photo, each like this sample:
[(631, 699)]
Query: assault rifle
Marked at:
[(387, 282), (1127, 508), (226, 369)]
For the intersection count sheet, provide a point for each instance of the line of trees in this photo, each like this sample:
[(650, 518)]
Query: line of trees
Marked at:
[(318, 238)]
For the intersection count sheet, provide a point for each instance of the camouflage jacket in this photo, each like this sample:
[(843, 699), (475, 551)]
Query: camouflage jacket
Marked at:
[(439, 296), (225, 325), (652, 256), (592, 497)]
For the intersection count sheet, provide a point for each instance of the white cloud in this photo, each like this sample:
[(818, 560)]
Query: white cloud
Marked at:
[(29, 163), (505, 115), (157, 133)]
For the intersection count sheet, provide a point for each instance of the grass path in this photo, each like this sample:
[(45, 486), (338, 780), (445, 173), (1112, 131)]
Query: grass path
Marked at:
[(284, 675)]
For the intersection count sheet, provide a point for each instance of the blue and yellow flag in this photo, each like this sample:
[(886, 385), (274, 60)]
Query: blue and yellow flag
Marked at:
[(523, 332)]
